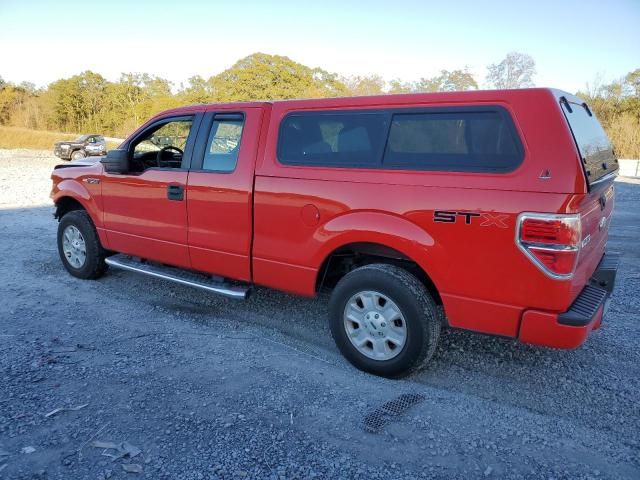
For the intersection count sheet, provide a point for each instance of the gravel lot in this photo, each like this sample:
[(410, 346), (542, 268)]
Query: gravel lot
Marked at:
[(210, 388)]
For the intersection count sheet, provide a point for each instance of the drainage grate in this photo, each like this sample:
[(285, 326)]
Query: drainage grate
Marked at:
[(383, 415)]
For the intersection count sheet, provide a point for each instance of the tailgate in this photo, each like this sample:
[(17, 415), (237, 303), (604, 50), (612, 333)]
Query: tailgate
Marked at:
[(595, 212)]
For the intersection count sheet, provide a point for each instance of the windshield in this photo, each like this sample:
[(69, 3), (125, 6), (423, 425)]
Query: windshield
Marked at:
[(594, 147), (81, 138)]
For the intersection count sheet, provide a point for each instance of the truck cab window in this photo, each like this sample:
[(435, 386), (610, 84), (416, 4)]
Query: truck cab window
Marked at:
[(223, 145), (162, 147)]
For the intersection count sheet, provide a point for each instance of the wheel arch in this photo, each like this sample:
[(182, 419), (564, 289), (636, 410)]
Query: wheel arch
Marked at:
[(361, 238), (353, 255), (65, 205), (66, 201), (70, 195)]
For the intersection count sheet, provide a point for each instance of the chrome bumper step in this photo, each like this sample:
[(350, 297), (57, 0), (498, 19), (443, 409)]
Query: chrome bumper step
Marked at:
[(183, 277)]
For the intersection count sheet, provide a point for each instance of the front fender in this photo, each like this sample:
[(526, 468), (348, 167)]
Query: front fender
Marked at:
[(72, 188), (381, 228)]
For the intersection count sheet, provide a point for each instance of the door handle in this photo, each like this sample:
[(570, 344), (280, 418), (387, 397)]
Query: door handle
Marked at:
[(175, 192)]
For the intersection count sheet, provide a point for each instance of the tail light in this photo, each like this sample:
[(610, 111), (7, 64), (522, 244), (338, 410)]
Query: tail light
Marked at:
[(551, 241)]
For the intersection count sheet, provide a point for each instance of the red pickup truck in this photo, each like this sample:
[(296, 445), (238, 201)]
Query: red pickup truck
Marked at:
[(487, 211)]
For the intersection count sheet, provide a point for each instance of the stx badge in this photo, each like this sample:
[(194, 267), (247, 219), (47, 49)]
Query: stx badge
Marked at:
[(486, 219)]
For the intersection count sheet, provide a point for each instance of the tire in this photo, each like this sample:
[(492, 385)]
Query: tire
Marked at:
[(417, 312), (90, 267), (77, 155)]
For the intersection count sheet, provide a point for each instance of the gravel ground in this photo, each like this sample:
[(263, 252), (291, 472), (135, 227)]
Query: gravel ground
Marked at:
[(209, 388)]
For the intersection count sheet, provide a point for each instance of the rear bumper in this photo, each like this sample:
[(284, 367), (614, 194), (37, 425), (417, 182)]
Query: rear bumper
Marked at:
[(571, 328)]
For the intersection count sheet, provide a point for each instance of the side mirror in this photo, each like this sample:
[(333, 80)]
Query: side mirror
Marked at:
[(116, 161)]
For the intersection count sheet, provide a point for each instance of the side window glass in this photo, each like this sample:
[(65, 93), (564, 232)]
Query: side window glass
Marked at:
[(162, 147), (223, 144), (470, 139), (423, 134), (332, 139), (457, 141)]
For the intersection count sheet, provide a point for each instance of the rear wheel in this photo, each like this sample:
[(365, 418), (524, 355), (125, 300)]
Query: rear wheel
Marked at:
[(77, 155), (384, 321), (79, 246)]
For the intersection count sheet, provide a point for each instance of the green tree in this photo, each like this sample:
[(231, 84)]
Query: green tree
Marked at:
[(8, 100), (77, 101), (400, 86), (125, 96), (446, 81), (271, 77), (368, 85), (457, 80), (198, 90)]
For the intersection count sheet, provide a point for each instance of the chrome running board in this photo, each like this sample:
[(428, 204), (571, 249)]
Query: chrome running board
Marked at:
[(183, 277)]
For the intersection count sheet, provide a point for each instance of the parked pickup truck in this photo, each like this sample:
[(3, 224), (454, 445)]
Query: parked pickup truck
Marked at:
[(487, 211), (81, 147)]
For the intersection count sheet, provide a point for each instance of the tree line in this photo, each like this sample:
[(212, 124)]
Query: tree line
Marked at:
[(88, 102)]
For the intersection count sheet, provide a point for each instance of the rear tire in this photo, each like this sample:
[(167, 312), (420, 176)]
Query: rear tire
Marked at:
[(79, 246), (384, 321), (77, 155)]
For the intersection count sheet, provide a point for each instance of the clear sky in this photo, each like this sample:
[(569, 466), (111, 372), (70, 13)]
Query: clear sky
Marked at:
[(572, 41)]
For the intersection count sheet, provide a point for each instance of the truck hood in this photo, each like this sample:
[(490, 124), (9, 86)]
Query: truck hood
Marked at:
[(84, 162)]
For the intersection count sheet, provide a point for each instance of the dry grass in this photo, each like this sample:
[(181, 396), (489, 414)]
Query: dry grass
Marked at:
[(16, 137), (624, 133)]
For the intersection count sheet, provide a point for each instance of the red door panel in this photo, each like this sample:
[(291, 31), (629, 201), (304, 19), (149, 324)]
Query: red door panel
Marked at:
[(220, 206), (220, 224), (140, 220)]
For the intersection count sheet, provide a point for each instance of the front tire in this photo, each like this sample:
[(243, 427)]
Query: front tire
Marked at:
[(384, 321), (79, 246)]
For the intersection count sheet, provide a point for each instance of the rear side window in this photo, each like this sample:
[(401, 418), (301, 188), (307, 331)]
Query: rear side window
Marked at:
[(475, 139), (333, 139), (223, 144), (592, 142), (456, 141)]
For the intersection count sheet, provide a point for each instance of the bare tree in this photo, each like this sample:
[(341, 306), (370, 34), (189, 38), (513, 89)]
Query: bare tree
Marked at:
[(515, 71), (593, 88), (632, 81)]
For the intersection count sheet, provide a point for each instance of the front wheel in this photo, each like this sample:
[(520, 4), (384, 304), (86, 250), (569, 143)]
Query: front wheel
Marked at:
[(79, 246), (383, 320)]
